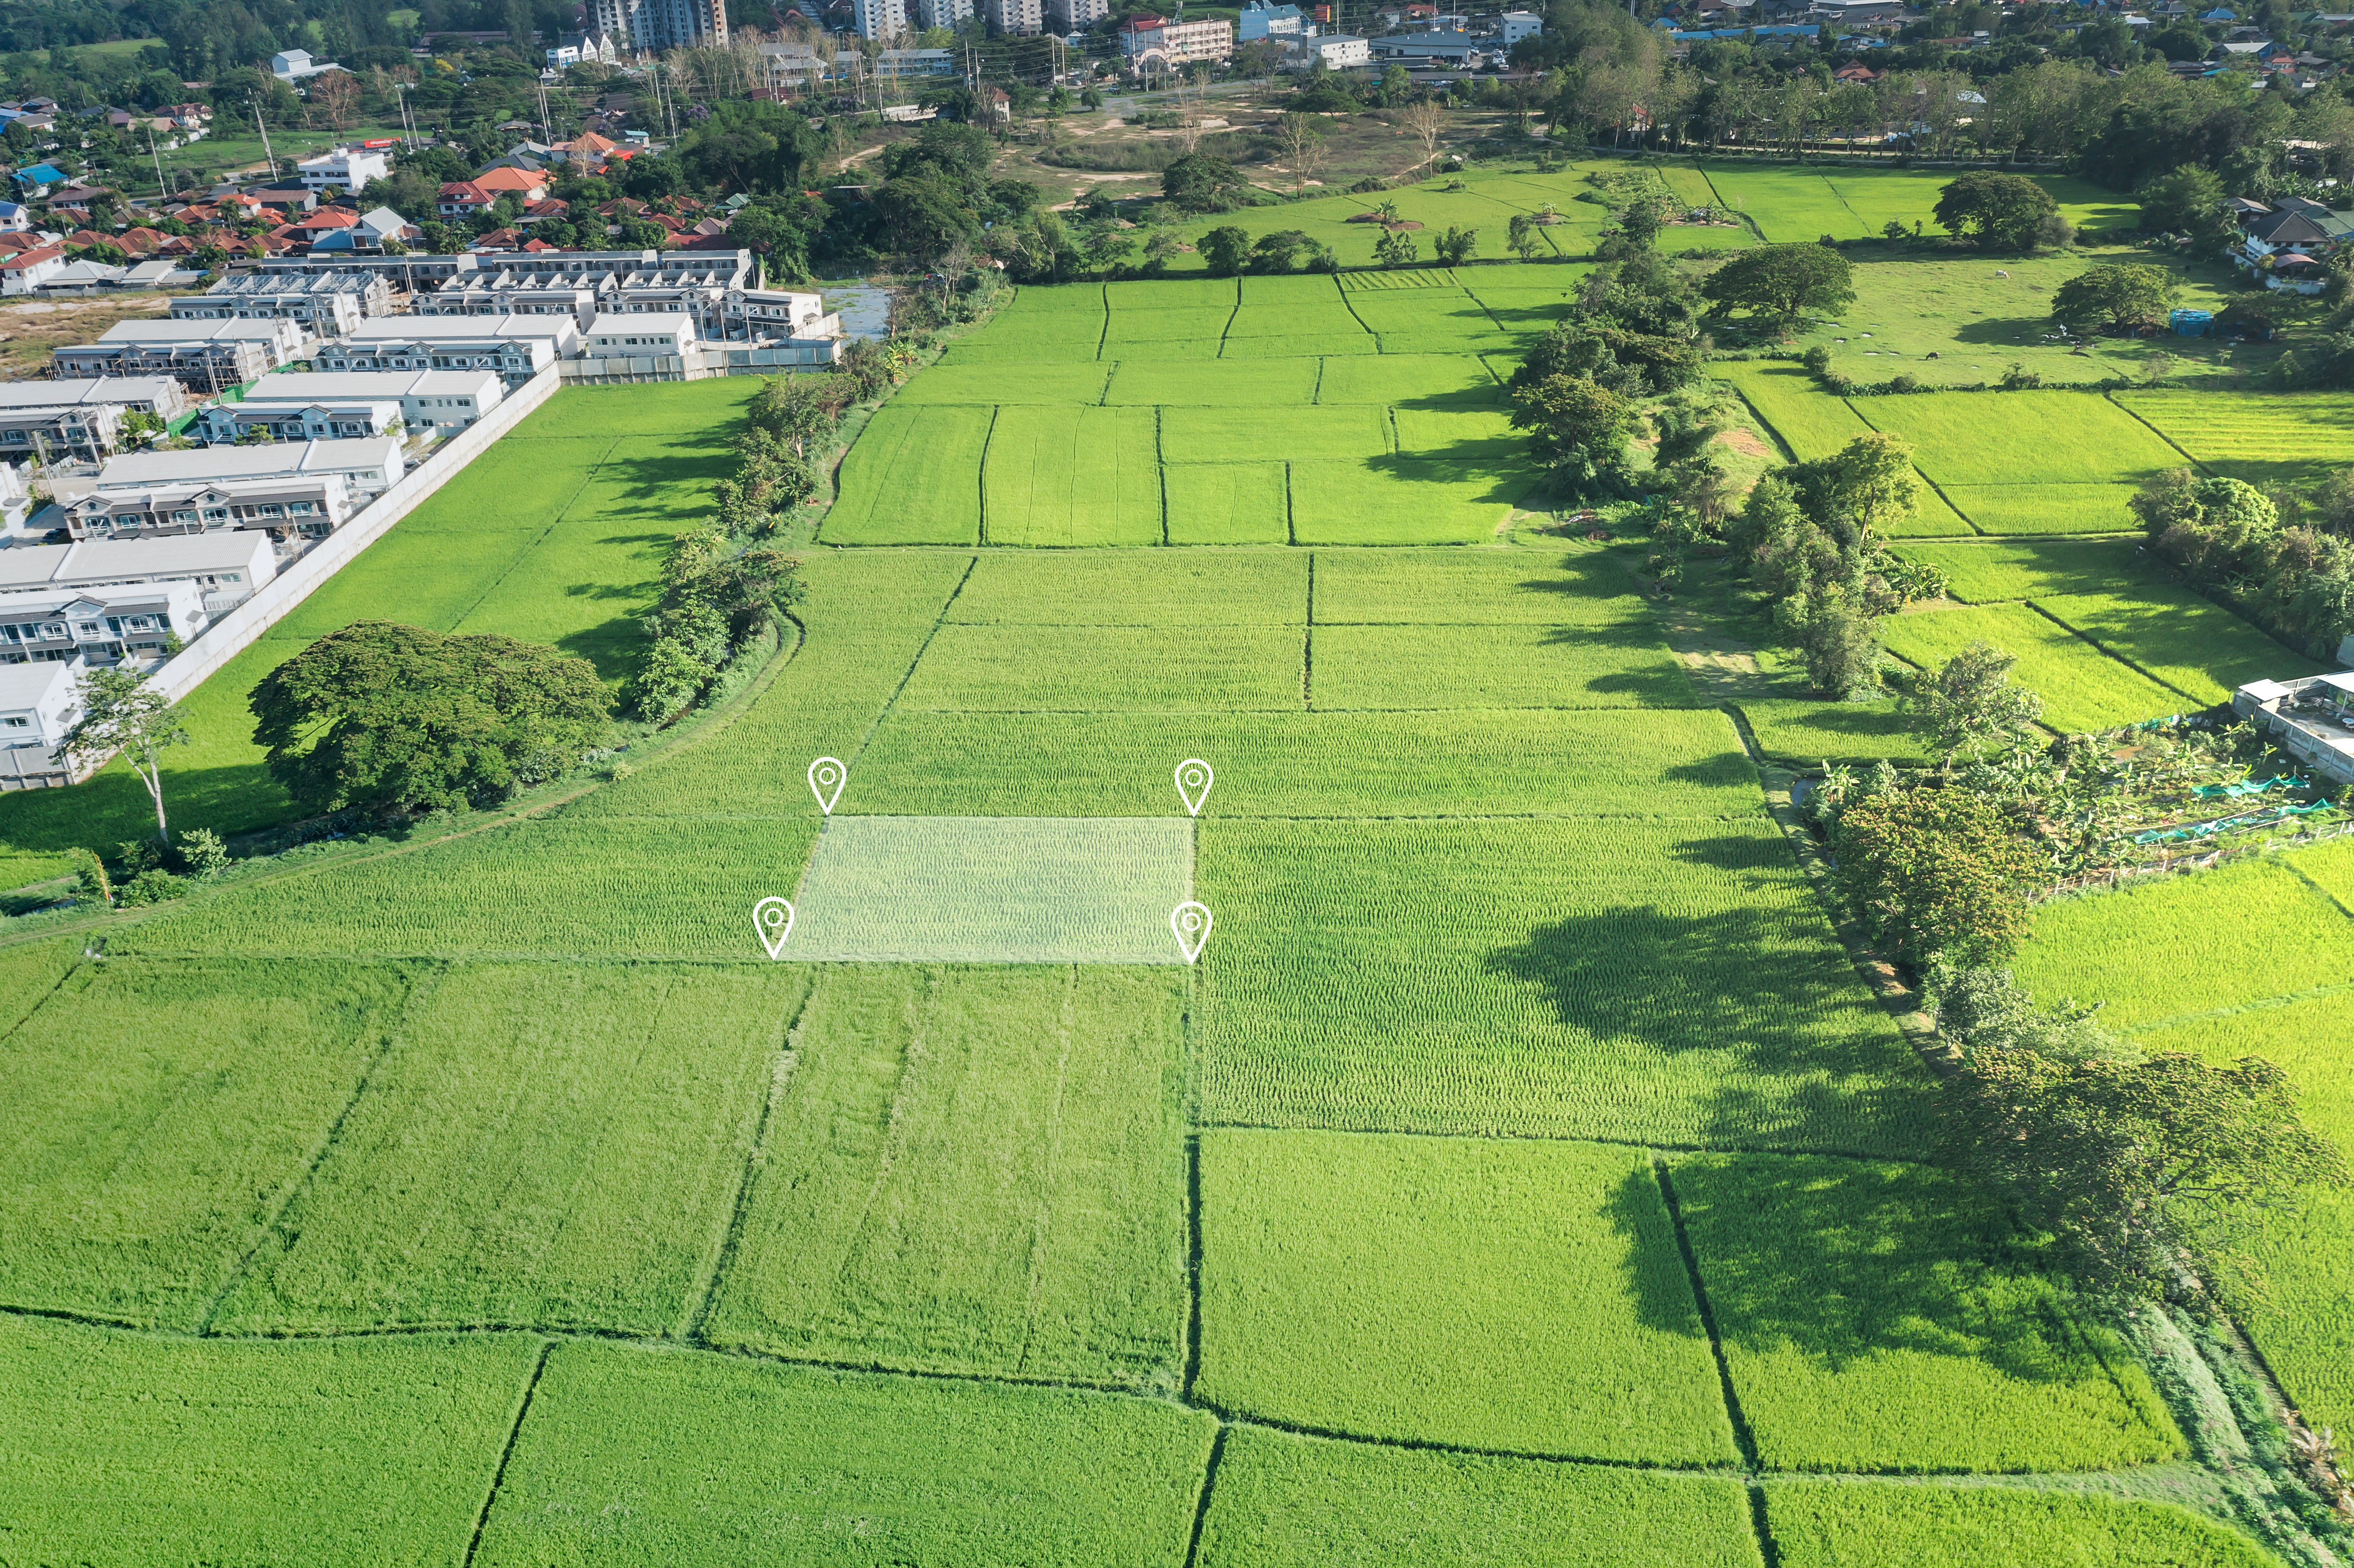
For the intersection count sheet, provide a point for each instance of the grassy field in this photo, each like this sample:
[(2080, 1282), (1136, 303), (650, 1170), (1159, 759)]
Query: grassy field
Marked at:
[(2082, 688), (1438, 1290), (557, 539), (1519, 1173)]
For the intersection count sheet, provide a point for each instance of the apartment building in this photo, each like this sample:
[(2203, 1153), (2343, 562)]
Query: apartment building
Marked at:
[(1076, 15), (1151, 42), (432, 402), (307, 506), (205, 356), (82, 419), (330, 303), (650, 26), (879, 19), (1014, 17), (224, 565), (457, 342), (96, 627), (370, 467)]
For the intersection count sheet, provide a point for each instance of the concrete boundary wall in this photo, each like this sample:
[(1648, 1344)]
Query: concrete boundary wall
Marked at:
[(277, 599)]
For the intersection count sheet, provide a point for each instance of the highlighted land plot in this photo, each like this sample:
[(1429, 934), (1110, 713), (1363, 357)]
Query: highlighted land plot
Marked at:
[(983, 890)]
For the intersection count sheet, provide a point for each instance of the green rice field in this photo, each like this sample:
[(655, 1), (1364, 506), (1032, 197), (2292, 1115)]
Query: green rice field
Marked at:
[(1520, 1172)]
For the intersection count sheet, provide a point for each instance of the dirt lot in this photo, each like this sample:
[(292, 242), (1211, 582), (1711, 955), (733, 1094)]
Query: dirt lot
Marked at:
[(30, 329)]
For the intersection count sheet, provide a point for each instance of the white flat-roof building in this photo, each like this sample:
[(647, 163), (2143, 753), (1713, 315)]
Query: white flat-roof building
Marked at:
[(48, 421), (370, 467), (308, 506), (518, 347), (148, 394), (348, 169), (638, 336), (235, 562), (434, 401), (38, 703)]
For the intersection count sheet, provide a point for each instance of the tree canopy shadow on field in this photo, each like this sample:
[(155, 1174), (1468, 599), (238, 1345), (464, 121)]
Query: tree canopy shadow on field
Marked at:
[(1753, 985), (2006, 332), (1840, 1260)]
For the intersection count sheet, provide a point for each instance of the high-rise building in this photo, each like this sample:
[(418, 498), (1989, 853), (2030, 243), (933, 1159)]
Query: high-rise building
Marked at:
[(882, 19), (945, 13), (1075, 16), (1013, 16), (651, 26)]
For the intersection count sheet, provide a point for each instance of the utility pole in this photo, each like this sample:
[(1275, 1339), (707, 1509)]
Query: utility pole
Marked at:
[(162, 193), (268, 156)]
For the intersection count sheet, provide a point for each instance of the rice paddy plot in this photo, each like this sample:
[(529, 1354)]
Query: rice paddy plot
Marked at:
[(1072, 476), (2191, 643), (659, 408), (1526, 312), (1805, 731), (1670, 982), (600, 887), (2305, 1327), (1154, 296), (1291, 291), (2031, 509), (993, 890), (2330, 866), (1885, 1317), (912, 478), (155, 1117), (2264, 438), (1148, 379), (2259, 930), (977, 1171), (1281, 1500), (1055, 300), (1355, 341), (1257, 587), (1625, 665), (1885, 1524), (1228, 504), (1524, 1297), (1576, 586), (1449, 340), (835, 1469), (128, 1448), (989, 385), (1788, 206), (2083, 689), (1812, 422), (30, 971), (1987, 571), (1393, 281), (1075, 343), (2020, 438), (1116, 669), (1142, 334), (1253, 435), (1405, 500), (1686, 763), (1455, 380), (1458, 434), (1330, 318), (545, 1145)]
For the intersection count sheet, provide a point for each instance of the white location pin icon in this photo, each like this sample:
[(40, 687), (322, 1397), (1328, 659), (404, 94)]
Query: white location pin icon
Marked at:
[(1193, 782), (1190, 921), (773, 918), (826, 777)]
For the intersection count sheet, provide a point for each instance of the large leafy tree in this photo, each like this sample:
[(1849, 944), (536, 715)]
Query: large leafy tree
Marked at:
[(2182, 201), (1997, 211), (1934, 871), (2139, 1170), (1968, 705), (1200, 182), (122, 713), (387, 717), (1577, 429), (2120, 297), (1783, 282)]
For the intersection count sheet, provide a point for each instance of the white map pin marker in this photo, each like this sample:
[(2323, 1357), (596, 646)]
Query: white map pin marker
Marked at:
[(1190, 921), (1193, 782), (773, 918), (826, 777)]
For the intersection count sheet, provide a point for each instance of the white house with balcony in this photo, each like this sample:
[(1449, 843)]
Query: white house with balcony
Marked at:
[(98, 626), (434, 402), (299, 506), (347, 169)]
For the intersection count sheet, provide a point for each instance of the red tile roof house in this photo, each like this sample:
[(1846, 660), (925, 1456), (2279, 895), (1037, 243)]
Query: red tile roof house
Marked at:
[(525, 184), (21, 272)]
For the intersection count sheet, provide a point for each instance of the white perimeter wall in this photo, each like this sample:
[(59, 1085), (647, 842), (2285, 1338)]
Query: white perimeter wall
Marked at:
[(239, 630)]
